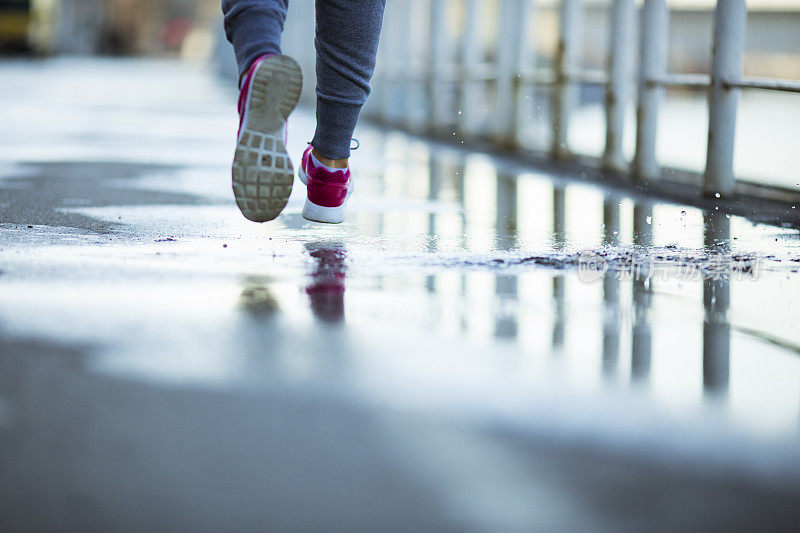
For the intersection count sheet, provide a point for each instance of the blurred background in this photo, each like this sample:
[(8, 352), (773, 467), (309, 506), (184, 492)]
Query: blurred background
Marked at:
[(176, 28), (191, 29), (188, 28)]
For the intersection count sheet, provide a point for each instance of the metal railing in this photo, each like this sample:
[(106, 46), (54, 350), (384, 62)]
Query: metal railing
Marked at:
[(513, 69)]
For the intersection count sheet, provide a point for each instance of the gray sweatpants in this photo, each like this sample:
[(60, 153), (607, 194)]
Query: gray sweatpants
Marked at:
[(346, 43)]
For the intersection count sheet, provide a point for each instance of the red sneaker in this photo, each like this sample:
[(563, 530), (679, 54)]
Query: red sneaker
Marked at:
[(328, 191), (262, 171)]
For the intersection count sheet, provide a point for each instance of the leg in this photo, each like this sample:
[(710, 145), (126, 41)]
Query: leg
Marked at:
[(254, 28), (347, 43)]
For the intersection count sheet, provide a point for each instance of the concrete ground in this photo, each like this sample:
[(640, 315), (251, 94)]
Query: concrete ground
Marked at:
[(472, 350)]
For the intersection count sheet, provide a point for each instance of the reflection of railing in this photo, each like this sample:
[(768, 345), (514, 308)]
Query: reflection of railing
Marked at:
[(628, 316), (511, 70)]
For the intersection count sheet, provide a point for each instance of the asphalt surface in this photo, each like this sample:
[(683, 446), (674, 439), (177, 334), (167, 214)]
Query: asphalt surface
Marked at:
[(472, 350)]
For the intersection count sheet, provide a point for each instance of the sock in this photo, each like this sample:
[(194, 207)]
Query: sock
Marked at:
[(329, 169)]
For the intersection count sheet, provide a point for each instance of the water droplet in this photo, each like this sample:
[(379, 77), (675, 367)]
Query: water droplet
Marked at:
[(459, 112), (649, 220), (717, 195), (716, 208), (727, 215), (683, 213)]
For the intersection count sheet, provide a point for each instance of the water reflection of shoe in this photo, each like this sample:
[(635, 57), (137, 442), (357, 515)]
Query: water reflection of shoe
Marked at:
[(262, 171), (257, 299), (327, 192), (327, 287)]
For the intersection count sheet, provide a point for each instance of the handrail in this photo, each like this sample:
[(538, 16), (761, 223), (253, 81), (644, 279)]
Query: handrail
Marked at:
[(514, 68), (770, 84), (683, 81)]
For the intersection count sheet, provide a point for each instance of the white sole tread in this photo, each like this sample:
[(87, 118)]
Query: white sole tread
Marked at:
[(262, 171)]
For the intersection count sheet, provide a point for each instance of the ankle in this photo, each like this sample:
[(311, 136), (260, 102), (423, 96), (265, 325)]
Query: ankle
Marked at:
[(328, 162)]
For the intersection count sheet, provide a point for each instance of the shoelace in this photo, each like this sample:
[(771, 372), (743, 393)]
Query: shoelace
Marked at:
[(353, 140)]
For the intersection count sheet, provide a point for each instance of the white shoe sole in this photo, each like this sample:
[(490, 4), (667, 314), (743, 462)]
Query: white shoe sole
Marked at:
[(262, 171), (319, 213)]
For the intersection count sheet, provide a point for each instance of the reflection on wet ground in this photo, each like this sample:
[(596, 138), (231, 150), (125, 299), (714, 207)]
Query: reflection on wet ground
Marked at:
[(635, 266), (476, 340), (326, 289)]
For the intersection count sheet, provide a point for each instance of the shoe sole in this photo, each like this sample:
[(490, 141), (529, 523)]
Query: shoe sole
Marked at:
[(262, 171), (320, 213), (327, 215)]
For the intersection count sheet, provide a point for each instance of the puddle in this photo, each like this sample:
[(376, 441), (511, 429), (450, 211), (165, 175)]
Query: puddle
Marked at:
[(457, 289)]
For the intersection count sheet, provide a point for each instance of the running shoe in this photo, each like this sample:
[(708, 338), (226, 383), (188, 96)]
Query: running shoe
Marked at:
[(262, 171), (327, 191)]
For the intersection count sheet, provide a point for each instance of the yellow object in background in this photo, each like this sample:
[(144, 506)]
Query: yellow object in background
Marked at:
[(15, 17), (26, 25)]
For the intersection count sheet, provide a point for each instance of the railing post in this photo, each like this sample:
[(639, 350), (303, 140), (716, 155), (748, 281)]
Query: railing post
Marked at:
[(437, 63), (559, 216), (396, 59), (527, 87), (620, 69), (641, 333), (568, 59), (385, 83), (559, 287), (470, 58), (653, 42), (404, 62), (412, 66), (611, 237), (510, 46), (309, 55), (611, 222), (716, 302), (643, 224), (730, 19)]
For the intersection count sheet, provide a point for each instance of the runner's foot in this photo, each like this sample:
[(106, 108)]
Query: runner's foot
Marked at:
[(328, 190), (262, 171)]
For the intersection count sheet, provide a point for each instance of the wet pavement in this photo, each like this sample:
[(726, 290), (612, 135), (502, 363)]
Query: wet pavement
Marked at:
[(479, 347)]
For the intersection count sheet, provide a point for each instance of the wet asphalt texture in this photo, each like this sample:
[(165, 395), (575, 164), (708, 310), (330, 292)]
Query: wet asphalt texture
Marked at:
[(446, 360)]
